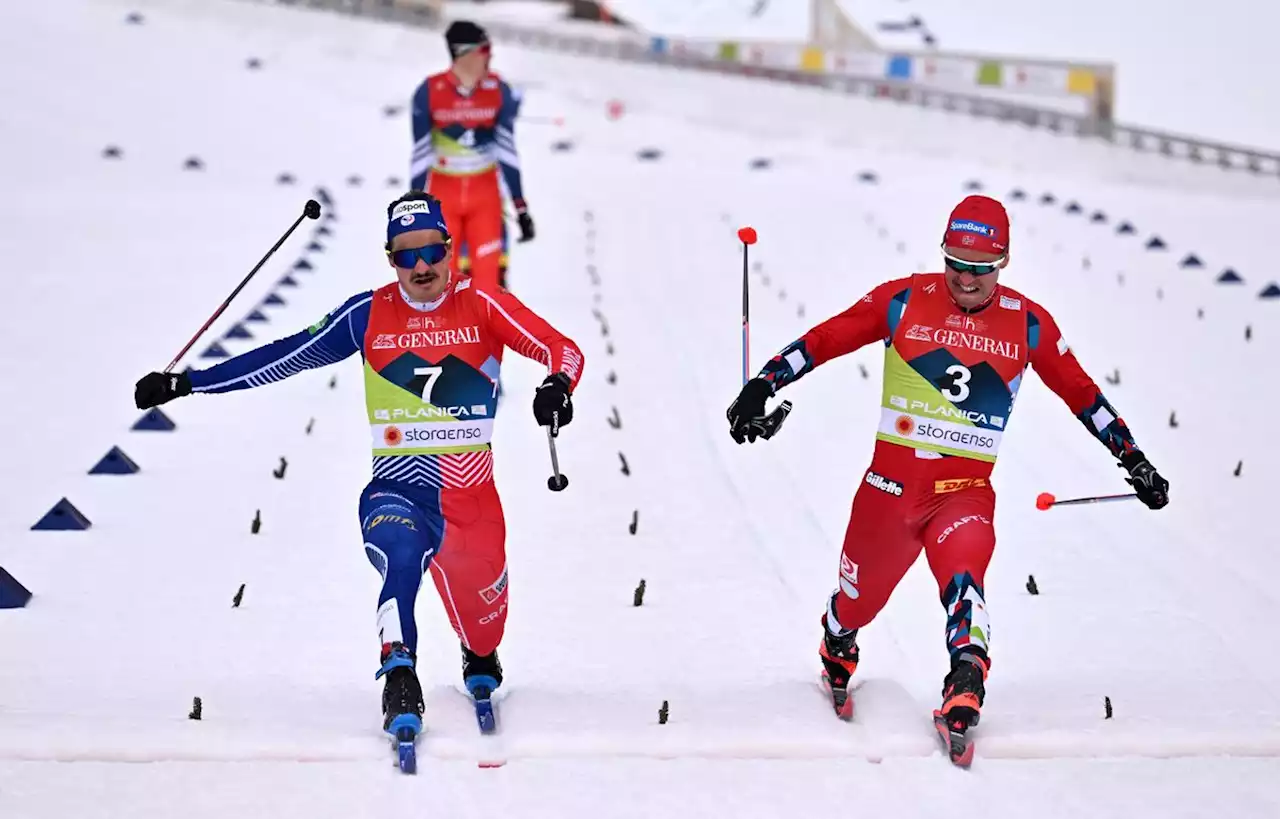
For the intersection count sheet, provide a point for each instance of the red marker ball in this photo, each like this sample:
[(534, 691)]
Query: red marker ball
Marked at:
[(747, 235), (1044, 500)]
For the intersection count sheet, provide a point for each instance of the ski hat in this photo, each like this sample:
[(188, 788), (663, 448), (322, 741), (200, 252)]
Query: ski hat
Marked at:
[(463, 36), (416, 214), (979, 223)]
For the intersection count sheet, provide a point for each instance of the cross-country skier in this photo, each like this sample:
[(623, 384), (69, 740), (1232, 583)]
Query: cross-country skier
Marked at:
[(432, 345), (956, 345), (463, 138)]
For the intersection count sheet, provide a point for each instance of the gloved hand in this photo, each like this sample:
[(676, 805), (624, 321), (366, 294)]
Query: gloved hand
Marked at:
[(746, 413), (552, 406), (524, 220), (154, 389), (1148, 485)]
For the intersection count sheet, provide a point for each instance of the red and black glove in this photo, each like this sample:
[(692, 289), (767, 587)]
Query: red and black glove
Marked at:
[(1147, 483)]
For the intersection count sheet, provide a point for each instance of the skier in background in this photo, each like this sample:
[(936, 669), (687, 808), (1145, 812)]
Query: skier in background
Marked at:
[(464, 150), (432, 345), (956, 346)]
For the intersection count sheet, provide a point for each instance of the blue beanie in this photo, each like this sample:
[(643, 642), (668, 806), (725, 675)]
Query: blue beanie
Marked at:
[(416, 214)]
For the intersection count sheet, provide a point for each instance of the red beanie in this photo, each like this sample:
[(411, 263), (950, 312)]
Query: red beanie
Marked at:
[(979, 223)]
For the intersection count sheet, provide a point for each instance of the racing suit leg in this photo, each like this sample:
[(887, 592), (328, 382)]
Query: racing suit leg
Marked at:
[(470, 571), (880, 544), (959, 539)]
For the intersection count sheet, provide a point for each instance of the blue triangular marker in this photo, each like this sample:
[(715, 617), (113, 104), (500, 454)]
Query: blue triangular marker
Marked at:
[(61, 518), (215, 350), (1192, 260), (323, 230), (1048, 199), (13, 595), (1126, 228), (154, 421), (115, 462), (323, 195), (1098, 217), (316, 247), (1156, 243), (238, 331), (1272, 291), (868, 176), (288, 281), (1230, 276), (1074, 207), (302, 264), (760, 163), (1018, 195), (273, 298), (973, 185), (256, 315)]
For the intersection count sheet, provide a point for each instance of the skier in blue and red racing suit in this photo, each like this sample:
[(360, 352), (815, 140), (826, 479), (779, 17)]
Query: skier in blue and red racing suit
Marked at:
[(956, 346)]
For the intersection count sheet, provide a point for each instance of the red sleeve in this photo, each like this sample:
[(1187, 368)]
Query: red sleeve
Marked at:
[(1058, 368), (863, 323), (1056, 364), (530, 335)]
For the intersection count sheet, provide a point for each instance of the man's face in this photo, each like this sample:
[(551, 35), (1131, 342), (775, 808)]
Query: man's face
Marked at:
[(411, 255), (474, 63), (971, 275)]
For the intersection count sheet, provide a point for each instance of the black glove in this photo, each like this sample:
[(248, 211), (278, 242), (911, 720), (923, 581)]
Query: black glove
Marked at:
[(524, 220), (746, 414), (154, 389), (551, 404), (1148, 485)]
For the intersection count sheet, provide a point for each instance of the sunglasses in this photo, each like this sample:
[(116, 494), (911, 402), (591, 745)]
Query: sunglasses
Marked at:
[(483, 48), (408, 258), (974, 268)]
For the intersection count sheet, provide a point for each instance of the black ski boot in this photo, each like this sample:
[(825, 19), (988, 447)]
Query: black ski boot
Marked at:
[(963, 691), (839, 655), (481, 674), (402, 705)]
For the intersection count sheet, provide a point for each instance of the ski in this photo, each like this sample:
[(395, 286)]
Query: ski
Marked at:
[(481, 690), (841, 698), (957, 744), (405, 730)]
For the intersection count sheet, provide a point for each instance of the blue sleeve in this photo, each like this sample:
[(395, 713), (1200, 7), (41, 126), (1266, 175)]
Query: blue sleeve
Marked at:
[(335, 337), (424, 152), (505, 134)]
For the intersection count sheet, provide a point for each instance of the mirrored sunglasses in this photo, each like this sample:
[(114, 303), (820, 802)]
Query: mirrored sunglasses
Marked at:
[(408, 258), (974, 268)]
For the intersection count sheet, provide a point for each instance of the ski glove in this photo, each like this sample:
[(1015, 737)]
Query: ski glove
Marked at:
[(1148, 485), (552, 406), (524, 220), (747, 420), (154, 389)]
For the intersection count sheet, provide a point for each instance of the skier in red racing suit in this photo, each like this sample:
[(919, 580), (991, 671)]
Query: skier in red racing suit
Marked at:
[(956, 345)]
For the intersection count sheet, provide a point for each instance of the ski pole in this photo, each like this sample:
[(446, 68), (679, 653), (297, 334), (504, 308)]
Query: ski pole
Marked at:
[(748, 237), (557, 482), (310, 211), (1046, 500)]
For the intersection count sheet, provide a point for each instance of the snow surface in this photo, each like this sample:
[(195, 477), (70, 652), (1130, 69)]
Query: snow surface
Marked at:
[(1167, 614)]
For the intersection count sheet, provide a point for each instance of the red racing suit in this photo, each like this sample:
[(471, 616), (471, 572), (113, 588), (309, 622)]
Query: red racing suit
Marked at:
[(463, 138), (950, 381)]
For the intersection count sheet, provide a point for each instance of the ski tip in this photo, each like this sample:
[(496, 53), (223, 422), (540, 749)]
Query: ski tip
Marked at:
[(491, 763), (408, 757)]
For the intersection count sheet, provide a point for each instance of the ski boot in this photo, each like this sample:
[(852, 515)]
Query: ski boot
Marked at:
[(482, 675), (839, 655), (402, 705), (962, 695)]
